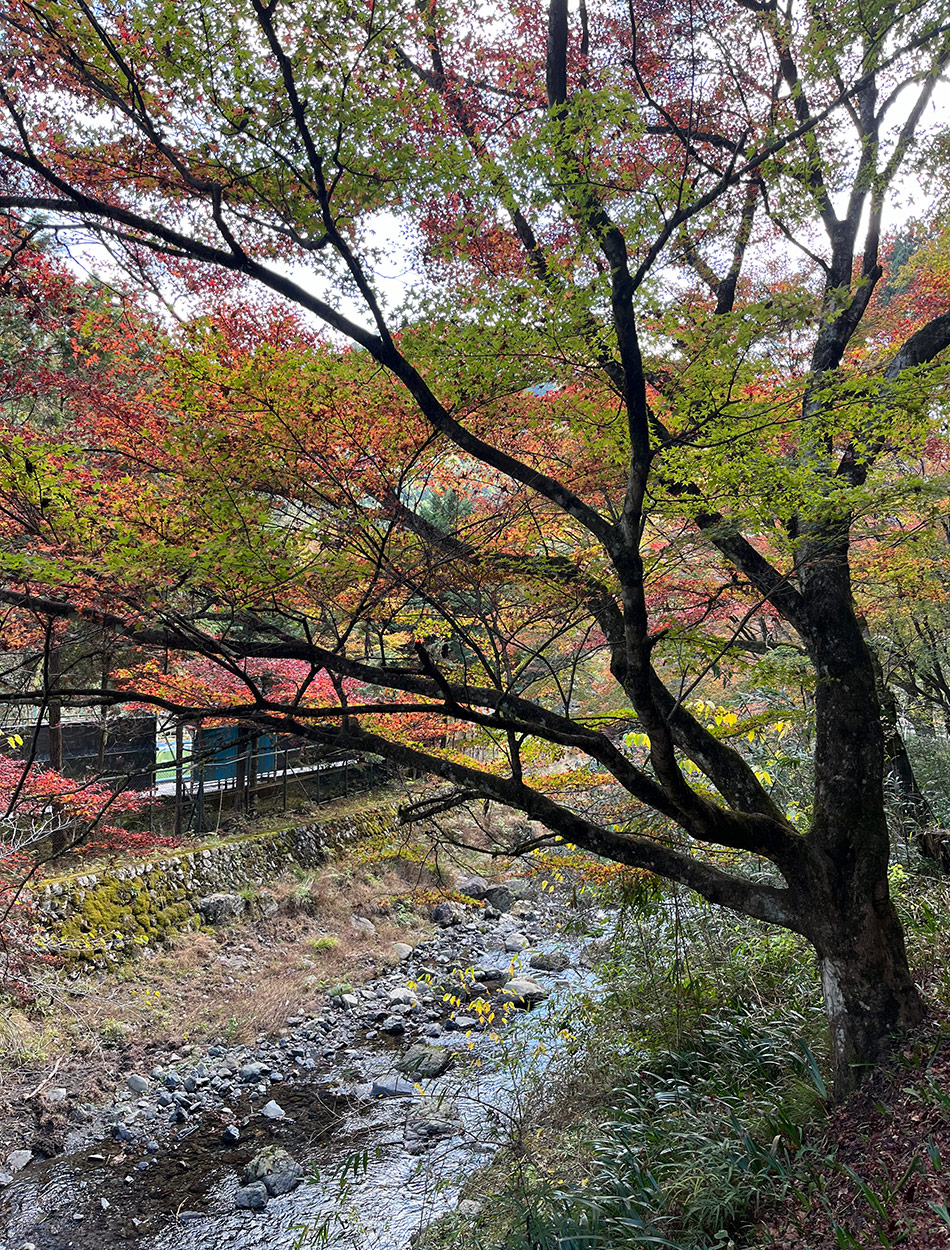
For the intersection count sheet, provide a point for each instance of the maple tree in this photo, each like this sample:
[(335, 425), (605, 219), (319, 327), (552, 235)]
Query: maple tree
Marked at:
[(640, 339)]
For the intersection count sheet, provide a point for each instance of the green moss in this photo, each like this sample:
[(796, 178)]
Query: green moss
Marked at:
[(116, 915), (141, 910)]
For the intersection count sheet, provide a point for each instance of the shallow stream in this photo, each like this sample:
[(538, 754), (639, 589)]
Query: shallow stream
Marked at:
[(377, 1168)]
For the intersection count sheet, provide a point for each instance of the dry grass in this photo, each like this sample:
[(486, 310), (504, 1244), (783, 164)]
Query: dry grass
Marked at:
[(236, 982)]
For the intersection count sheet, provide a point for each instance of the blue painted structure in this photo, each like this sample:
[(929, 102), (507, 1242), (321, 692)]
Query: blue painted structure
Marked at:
[(219, 753)]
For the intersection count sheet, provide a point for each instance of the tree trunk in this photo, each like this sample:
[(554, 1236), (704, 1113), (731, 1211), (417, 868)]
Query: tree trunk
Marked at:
[(844, 893), (866, 982)]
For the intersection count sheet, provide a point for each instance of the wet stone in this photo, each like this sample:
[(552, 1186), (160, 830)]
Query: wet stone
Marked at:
[(251, 1197), (273, 1167), (426, 1062), (462, 1023), (392, 1085), (522, 992), (552, 961)]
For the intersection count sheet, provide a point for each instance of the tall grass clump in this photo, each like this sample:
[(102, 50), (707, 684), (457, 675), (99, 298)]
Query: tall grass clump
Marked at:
[(691, 1066)]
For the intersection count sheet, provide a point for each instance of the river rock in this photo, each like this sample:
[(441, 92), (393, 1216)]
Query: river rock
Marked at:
[(492, 974), (402, 950), (392, 1085), (473, 887), (430, 1126), (523, 993), (273, 1111), (251, 1197), (516, 942), (426, 1062), (446, 914), (362, 926), (402, 994), (267, 902), (137, 1084), (499, 897), (461, 1023), (220, 908), (252, 1071), (550, 961), (523, 910), (594, 953), (278, 1171), (18, 1159)]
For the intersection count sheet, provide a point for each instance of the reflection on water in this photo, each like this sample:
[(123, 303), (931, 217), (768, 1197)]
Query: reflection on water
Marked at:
[(369, 1190)]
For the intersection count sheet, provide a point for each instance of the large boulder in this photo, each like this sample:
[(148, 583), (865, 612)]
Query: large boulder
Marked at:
[(275, 1169), (446, 914), (499, 897), (550, 961), (426, 1062), (220, 908), (473, 887), (521, 992)]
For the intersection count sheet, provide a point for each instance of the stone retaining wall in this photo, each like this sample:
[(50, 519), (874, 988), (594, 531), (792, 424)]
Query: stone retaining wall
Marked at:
[(96, 916)]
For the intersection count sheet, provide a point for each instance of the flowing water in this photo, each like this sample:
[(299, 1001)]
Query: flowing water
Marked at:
[(379, 1169)]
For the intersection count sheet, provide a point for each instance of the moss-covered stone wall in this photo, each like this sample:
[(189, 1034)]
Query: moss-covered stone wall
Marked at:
[(94, 917)]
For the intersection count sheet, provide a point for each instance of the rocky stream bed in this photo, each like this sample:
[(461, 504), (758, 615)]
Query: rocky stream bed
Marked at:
[(357, 1124)]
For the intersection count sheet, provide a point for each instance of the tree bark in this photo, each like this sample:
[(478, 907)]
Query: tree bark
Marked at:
[(868, 990), (848, 914)]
